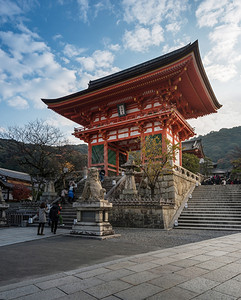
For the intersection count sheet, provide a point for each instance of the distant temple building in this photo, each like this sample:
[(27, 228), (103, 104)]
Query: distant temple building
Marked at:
[(156, 97), (193, 147), (11, 178)]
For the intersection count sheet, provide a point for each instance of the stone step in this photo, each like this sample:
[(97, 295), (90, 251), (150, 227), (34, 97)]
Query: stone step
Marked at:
[(204, 205), (194, 227), (214, 212), (238, 226), (213, 207), (209, 222)]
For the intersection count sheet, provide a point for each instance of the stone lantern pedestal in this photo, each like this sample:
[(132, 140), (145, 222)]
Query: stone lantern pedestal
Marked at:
[(130, 191), (92, 218), (3, 207), (49, 194)]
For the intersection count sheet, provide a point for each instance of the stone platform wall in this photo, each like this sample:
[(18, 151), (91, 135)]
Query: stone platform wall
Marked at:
[(136, 216), (171, 193)]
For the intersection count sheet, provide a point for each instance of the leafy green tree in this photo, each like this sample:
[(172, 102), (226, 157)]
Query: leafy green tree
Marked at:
[(236, 163), (206, 166), (191, 162)]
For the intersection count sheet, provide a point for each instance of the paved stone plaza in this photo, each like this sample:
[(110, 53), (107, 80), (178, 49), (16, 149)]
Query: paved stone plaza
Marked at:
[(208, 269)]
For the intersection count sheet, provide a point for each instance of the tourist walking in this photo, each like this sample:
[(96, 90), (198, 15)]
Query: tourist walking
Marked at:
[(54, 217), (42, 218)]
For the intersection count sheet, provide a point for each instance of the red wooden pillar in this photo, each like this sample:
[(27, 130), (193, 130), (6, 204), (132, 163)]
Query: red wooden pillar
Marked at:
[(164, 138), (180, 154), (142, 145), (117, 162), (106, 157), (89, 155)]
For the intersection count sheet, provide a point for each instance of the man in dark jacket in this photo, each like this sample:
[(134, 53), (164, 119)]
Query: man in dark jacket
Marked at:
[(54, 217)]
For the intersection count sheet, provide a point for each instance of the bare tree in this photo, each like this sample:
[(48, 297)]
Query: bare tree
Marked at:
[(36, 144)]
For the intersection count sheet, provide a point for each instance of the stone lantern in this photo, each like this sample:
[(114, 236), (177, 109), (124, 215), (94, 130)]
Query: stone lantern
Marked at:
[(130, 190)]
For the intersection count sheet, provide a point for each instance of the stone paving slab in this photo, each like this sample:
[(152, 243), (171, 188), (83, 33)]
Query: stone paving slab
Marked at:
[(13, 235), (187, 274)]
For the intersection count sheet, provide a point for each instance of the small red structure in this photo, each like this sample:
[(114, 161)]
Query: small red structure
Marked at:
[(155, 97)]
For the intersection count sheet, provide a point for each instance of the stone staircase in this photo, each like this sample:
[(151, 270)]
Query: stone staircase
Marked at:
[(215, 207), (69, 213)]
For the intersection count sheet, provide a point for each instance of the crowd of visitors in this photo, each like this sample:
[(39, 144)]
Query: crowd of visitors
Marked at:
[(218, 180)]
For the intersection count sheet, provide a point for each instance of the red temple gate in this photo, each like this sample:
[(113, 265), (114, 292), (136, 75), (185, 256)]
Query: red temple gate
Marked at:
[(116, 112)]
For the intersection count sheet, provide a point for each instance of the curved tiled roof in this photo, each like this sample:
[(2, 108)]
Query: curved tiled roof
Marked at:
[(141, 69), (15, 174)]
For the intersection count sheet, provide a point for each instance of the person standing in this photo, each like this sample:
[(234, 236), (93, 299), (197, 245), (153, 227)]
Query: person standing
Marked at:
[(71, 193), (54, 217), (42, 218), (102, 175), (64, 192)]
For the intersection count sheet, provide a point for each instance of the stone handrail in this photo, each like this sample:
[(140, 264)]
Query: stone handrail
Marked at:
[(197, 177)]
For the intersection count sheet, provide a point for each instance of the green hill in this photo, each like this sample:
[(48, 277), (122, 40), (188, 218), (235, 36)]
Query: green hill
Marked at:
[(75, 154), (219, 145)]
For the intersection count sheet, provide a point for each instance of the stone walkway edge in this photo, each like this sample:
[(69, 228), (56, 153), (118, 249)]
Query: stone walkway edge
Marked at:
[(208, 269)]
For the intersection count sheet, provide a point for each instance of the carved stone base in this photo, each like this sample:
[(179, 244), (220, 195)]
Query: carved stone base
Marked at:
[(3, 219), (92, 218), (96, 229), (48, 197)]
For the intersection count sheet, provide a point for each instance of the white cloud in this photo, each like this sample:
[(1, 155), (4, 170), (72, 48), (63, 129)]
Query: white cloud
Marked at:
[(71, 50), (88, 63), (212, 12), (150, 12), (57, 37), (149, 18), (222, 61), (99, 59), (224, 39), (59, 121), (18, 102), (222, 73), (104, 59), (9, 9), (227, 117), (29, 70), (142, 38), (114, 47), (83, 9), (21, 43), (67, 126), (173, 27)]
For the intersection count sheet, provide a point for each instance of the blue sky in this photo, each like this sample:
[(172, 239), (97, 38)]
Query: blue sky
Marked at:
[(51, 48)]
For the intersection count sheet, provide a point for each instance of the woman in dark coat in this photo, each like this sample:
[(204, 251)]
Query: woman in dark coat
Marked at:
[(54, 217)]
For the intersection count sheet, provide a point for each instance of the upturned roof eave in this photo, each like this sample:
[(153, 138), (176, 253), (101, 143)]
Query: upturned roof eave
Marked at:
[(138, 70)]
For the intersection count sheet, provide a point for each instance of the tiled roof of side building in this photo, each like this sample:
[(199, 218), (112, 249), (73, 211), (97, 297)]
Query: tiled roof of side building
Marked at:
[(15, 174)]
